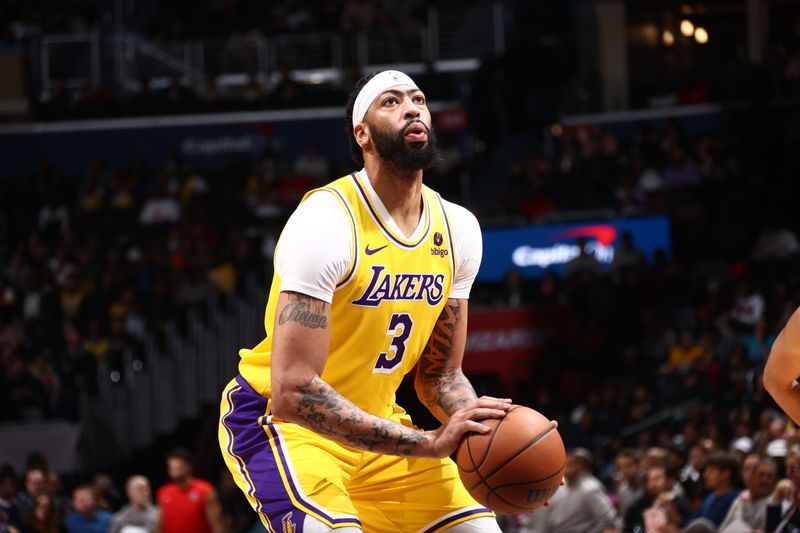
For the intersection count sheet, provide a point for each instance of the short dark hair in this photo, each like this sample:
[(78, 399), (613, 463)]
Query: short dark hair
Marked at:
[(629, 453), (723, 461), (7, 472), (355, 149), (183, 454), (87, 487), (669, 471)]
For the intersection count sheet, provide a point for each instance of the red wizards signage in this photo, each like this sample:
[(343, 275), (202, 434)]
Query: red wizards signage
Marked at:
[(507, 342)]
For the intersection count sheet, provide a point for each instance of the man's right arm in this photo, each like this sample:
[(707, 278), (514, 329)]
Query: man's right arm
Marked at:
[(299, 350)]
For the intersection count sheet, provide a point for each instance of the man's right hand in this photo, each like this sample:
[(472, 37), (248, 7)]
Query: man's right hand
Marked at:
[(445, 440)]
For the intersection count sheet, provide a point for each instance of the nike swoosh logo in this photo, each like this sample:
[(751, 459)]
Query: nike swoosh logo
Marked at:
[(374, 251)]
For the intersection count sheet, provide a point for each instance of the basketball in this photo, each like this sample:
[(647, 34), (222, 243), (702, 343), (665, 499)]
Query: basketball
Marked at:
[(517, 466)]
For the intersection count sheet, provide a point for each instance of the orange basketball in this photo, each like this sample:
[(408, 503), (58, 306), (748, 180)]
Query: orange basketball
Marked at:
[(515, 468)]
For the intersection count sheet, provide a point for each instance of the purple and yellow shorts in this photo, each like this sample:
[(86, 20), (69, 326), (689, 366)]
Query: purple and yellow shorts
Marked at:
[(287, 472)]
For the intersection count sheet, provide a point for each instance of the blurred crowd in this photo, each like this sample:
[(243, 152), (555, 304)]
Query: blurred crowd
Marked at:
[(751, 487), (94, 265), (36, 501)]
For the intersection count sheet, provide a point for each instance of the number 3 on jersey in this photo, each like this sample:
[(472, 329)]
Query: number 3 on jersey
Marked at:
[(400, 329)]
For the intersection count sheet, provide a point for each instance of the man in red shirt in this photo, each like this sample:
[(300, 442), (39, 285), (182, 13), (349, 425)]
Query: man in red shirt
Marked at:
[(187, 503)]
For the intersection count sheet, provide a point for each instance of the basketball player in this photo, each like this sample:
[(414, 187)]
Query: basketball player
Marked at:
[(372, 276), (783, 368)]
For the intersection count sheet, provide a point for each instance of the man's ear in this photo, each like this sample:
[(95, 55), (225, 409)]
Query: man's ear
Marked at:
[(361, 133)]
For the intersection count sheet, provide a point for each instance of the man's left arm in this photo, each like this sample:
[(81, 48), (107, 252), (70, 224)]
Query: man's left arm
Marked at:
[(440, 383), (213, 509)]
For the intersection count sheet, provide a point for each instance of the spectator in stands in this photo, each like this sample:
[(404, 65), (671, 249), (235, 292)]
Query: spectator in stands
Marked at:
[(86, 517), (210, 91), (783, 508), (187, 503), (690, 475), (287, 89), (684, 354), (748, 464), (161, 207), (514, 292), (681, 171), (8, 496), (719, 477), (53, 216), (139, 513), (662, 493), (757, 344), (581, 505), (628, 478), (35, 486), (176, 93), (43, 517), (359, 15), (776, 242), (236, 510), (628, 259), (748, 308), (61, 503), (253, 90), (750, 507), (313, 165), (108, 499), (585, 265)]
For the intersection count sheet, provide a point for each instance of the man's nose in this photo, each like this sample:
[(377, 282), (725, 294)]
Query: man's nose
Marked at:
[(410, 111)]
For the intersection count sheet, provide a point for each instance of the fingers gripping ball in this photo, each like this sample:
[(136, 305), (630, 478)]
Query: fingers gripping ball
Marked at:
[(517, 466)]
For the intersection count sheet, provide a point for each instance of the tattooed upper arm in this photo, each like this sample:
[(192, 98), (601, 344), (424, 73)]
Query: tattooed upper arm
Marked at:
[(305, 310), (440, 383)]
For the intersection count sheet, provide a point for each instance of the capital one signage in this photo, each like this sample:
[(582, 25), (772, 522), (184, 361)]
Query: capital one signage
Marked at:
[(534, 250)]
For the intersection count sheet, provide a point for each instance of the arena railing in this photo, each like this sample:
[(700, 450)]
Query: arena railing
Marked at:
[(452, 39), (173, 383)]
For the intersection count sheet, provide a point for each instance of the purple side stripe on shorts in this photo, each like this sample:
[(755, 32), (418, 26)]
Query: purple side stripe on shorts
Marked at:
[(250, 443), (264, 472), (273, 430)]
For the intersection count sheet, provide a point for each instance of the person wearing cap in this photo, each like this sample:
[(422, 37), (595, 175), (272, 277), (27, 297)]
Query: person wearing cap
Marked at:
[(372, 278), (582, 505)]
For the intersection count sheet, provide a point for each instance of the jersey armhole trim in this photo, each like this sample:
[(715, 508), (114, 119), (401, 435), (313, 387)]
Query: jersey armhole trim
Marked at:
[(354, 247), (449, 234)]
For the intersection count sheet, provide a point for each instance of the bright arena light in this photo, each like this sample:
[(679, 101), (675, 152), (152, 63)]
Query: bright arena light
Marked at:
[(687, 28), (701, 35), (668, 38)]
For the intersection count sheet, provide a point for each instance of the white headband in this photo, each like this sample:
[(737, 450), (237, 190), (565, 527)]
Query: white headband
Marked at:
[(375, 87)]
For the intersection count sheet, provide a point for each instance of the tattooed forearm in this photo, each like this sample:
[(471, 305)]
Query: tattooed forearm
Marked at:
[(305, 310), (442, 389), (327, 412)]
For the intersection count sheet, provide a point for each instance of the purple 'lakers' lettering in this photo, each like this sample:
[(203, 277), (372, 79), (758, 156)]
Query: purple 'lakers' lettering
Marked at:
[(387, 287)]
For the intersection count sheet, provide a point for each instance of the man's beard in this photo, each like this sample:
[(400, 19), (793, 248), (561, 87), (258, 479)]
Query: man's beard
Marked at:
[(393, 147)]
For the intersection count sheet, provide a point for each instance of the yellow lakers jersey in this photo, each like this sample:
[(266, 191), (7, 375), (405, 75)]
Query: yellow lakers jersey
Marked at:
[(383, 309)]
